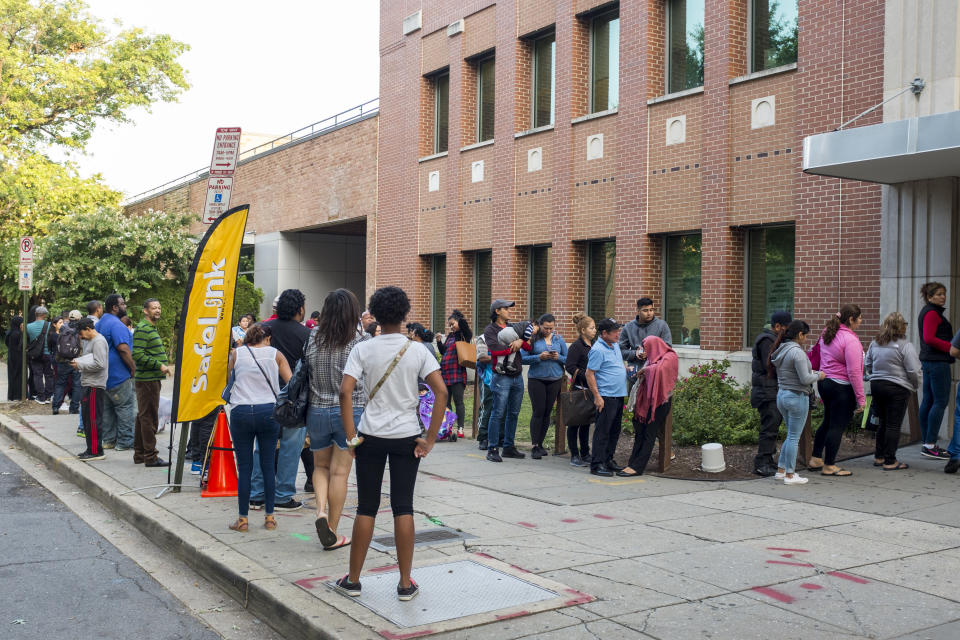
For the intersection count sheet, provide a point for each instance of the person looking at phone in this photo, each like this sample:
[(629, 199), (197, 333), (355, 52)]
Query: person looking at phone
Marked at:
[(646, 323), (546, 361)]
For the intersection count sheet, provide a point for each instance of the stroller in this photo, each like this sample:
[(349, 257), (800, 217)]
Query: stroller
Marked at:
[(447, 427)]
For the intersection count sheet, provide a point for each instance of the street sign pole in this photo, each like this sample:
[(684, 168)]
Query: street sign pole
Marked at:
[(23, 348), (25, 278)]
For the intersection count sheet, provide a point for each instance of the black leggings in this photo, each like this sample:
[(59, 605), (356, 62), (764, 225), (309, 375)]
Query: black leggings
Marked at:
[(579, 432), (456, 399), (890, 400), (839, 403), (543, 396), (371, 459), (644, 433)]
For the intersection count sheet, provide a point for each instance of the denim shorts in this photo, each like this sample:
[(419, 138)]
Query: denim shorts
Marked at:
[(325, 427)]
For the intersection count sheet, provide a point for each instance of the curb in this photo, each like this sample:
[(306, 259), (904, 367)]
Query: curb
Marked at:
[(282, 605)]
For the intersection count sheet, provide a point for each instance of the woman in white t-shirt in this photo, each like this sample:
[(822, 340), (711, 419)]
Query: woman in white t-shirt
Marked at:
[(390, 429)]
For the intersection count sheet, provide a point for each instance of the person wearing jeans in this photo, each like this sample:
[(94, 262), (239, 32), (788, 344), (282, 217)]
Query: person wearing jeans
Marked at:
[(288, 461), (935, 358), (507, 383), (607, 379), (795, 380), (120, 399), (953, 450), (120, 414)]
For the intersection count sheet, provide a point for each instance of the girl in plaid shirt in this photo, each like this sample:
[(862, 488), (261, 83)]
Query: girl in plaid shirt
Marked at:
[(454, 376)]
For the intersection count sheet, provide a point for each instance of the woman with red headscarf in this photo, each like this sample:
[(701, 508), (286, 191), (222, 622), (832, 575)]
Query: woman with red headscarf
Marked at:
[(657, 380)]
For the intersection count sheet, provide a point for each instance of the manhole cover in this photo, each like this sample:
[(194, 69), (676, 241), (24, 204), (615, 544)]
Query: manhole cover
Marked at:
[(448, 591), (421, 538)]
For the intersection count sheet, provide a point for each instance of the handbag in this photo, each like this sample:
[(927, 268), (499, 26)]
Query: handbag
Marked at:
[(814, 356), (577, 405), (290, 410), (35, 346), (466, 354)]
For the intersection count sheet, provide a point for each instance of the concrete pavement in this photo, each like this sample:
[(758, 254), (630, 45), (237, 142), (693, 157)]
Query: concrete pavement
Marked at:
[(873, 555)]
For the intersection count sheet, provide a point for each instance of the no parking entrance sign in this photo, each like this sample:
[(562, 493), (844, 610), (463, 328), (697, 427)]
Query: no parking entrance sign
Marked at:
[(226, 151)]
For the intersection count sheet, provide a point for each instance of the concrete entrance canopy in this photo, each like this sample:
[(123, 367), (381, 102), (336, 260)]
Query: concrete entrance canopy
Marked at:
[(920, 148)]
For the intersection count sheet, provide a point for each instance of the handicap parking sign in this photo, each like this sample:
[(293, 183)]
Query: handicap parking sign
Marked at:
[(218, 197)]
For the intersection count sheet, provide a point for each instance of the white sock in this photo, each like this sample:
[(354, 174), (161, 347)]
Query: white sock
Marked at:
[(929, 446)]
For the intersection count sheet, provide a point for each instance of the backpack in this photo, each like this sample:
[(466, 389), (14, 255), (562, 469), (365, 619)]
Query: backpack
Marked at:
[(35, 346), (68, 344), (509, 365)]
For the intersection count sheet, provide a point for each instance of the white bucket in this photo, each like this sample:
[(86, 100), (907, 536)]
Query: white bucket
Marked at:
[(711, 459)]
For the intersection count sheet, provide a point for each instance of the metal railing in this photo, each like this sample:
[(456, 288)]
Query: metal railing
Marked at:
[(337, 120)]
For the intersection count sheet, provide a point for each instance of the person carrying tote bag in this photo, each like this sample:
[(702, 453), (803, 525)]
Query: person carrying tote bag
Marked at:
[(577, 404)]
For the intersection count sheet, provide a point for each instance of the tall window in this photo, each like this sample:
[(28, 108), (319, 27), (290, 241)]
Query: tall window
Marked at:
[(681, 291), (441, 110), (605, 62), (539, 281), (770, 255), (544, 82), (482, 289), (438, 293), (773, 33), (684, 44), (601, 300), (485, 99)]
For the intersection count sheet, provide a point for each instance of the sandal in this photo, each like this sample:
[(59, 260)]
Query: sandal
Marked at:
[(838, 472), (269, 522), (897, 467), (877, 463), (327, 537), (241, 525), (815, 464), (342, 541)]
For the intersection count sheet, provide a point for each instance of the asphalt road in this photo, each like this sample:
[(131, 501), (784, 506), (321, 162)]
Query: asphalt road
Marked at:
[(61, 579)]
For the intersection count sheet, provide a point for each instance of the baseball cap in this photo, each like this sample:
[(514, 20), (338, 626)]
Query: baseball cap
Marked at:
[(500, 303), (75, 315), (608, 324), (780, 317), (276, 300)]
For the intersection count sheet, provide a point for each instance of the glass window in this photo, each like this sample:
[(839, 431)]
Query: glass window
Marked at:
[(681, 291), (539, 281), (544, 56), (482, 289), (605, 62), (485, 99), (441, 96), (601, 259), (685, 45), (438, 293), (770, 255), (773, 32)]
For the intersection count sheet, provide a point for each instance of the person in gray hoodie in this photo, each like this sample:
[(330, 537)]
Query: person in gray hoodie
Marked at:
[(645, 324), (92, 365), (894, 367), (795, 379)]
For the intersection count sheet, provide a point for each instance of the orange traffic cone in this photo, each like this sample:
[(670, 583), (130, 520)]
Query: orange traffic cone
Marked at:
[(222, 482)]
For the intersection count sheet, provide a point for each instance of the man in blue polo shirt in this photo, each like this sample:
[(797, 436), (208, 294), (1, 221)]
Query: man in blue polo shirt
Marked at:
[(607, 379), (120, 399)]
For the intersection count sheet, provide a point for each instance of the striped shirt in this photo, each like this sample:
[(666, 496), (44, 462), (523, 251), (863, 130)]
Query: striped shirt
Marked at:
[(148, 352)]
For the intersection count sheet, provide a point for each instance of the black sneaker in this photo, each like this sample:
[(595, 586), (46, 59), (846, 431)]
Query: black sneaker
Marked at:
[(601, 471), (482, 445), (577, 461), (87, 457), (289, 505), (511, 452), (765, 471), (952, 465), (409, 593), (308, 488), (535, 453), (544, 452), (934, 453), (256, 505), (613, 466), (347, 588), (494, 456)]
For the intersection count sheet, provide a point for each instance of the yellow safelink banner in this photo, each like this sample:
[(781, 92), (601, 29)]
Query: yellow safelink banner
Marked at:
[(205, 319)]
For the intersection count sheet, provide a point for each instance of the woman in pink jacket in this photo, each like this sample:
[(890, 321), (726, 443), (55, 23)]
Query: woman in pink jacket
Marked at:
[(841, 360)]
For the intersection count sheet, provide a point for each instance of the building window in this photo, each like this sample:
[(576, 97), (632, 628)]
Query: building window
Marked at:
[(684, 44), (544, 81), (485, 99), (601, 259), (438, 293), (482, 289), (538, 284), (441, 110), (605, 62), (681, 287), (770, 254), (773, 33)]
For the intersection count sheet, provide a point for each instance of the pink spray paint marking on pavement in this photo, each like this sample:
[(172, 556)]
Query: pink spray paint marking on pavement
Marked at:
[(811, 586), (602, 516), (569, 520), (308, 583), (792, 564), (847, 576), (779, 596), (528, 525), (786, 549)]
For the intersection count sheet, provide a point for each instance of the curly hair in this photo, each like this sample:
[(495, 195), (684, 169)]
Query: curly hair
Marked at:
[(465, 333), (389, 305), (290, 303), (257, 333)]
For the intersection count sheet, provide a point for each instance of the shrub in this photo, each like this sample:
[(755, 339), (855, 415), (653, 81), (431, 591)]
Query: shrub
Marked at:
[(710, 406)]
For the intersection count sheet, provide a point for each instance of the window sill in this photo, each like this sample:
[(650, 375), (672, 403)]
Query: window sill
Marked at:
[(442, 154), (594, 116), (530, 132), (477, 145), (675, 95), (763, 74)]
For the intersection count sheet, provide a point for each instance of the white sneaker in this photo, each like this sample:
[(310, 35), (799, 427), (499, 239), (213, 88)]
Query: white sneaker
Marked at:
[(780, 475), (796, 479)]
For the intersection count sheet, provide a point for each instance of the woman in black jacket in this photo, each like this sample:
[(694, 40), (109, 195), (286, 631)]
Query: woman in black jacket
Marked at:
[(14, 358), (576, 366)]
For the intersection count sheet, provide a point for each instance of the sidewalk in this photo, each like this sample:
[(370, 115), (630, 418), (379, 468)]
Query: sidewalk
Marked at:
[(873, 555)]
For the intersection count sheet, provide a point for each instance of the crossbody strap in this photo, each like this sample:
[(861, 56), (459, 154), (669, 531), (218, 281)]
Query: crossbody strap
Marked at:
[(389, 370), (265, 376)]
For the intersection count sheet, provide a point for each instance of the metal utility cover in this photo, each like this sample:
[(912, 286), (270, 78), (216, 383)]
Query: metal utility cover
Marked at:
[(422, 538), (447, 591)]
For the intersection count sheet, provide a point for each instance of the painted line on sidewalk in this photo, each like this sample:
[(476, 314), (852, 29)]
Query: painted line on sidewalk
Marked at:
[(616, 483)]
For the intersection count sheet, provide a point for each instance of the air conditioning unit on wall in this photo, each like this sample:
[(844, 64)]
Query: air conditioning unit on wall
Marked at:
[(455, 27)]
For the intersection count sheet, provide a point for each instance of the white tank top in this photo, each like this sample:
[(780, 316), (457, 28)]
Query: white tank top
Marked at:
[(251, 385)]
